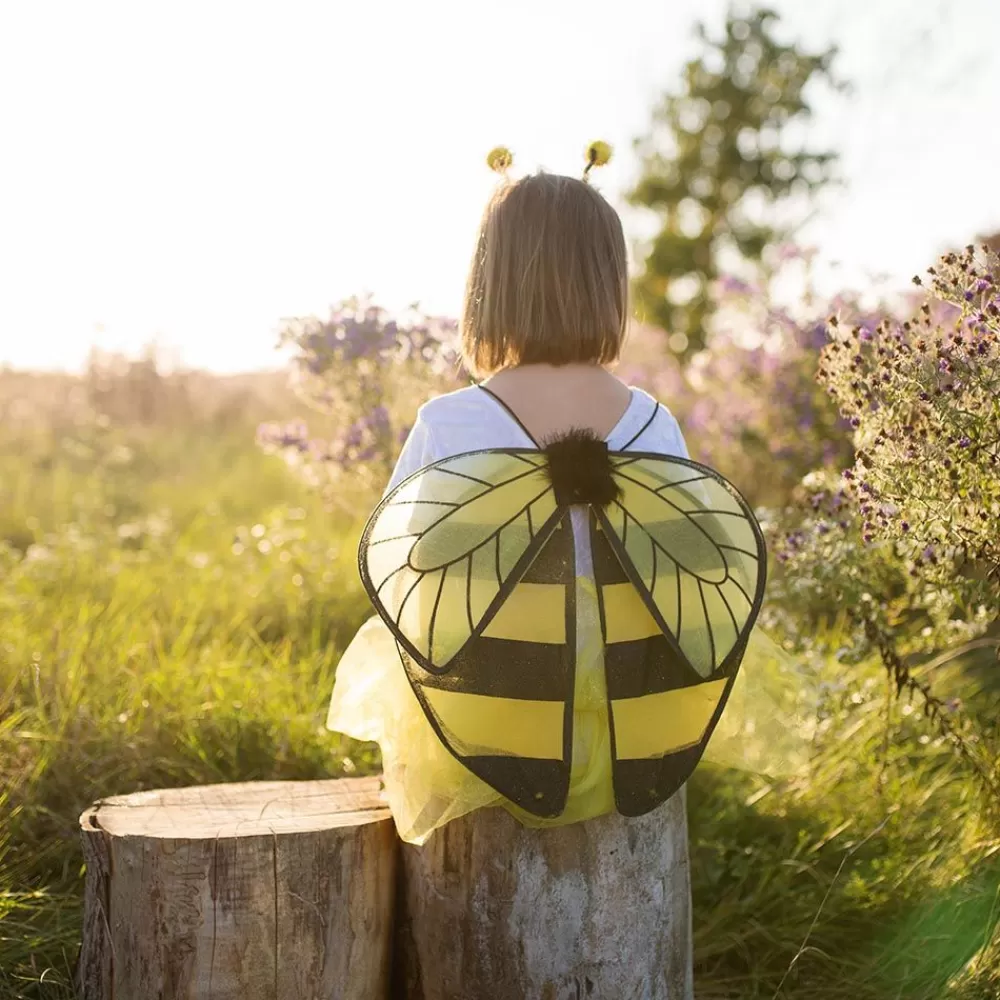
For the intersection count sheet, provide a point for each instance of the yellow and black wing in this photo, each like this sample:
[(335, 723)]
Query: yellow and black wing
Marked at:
[(470, 564), (680, 564)]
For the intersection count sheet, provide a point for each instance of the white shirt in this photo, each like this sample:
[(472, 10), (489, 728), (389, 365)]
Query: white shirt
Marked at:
[(471, 419)]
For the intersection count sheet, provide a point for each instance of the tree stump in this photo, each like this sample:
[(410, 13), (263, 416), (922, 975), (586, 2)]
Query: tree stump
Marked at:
[(272, 890), (491, 910)]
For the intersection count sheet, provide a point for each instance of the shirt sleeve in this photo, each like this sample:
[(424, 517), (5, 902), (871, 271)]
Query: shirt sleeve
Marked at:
[(418, 451), (681, 444), (680, 449), (667, 432)]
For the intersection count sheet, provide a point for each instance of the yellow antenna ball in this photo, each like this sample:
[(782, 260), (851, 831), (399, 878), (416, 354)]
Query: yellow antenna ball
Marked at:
[(499, 159), (598, 153)]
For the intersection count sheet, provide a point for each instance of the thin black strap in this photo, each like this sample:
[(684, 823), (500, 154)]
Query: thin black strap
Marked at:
[(642, 430), (513, 415)]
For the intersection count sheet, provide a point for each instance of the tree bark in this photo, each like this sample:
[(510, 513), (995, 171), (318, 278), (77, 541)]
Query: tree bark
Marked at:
[(490, 910), (256, 891)]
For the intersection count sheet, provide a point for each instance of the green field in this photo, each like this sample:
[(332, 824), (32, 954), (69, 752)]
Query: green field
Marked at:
[(172, 606)]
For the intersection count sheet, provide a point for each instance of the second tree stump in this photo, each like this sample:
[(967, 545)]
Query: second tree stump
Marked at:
[(490, 910)]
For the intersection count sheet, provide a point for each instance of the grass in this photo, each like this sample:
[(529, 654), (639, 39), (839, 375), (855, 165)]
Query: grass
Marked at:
[(172, 607)]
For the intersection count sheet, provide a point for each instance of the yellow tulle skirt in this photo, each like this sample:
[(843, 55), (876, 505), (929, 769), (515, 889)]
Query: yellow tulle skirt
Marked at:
[(763, 729)]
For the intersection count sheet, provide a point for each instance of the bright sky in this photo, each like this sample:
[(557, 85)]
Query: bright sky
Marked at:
[(195, 171)]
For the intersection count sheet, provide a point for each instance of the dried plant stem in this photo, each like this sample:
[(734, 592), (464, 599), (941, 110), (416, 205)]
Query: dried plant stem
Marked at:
[(934, 708)]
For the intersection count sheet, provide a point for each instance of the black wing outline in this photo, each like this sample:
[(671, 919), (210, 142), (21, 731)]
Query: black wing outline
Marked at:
[(506, 577), (693, 473)]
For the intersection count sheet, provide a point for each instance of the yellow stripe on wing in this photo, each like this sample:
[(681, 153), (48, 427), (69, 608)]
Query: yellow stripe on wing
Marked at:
[(534, 612), (626, 616), (479, 724), (656, 724)]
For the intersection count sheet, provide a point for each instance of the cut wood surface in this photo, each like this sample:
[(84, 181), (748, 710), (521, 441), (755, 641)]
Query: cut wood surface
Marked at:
[(257, 891), (491, 910)]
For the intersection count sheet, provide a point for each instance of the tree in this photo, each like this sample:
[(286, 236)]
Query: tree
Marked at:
[(716, 163)]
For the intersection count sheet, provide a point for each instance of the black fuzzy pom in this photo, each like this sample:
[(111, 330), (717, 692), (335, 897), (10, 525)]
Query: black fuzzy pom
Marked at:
[(580, 469)]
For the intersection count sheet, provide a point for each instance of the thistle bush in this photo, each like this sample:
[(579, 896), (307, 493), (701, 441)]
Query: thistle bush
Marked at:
[(363, 372), (903, 547)]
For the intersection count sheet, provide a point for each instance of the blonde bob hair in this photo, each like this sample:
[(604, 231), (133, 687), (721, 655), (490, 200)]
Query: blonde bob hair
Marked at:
[(549, 278)]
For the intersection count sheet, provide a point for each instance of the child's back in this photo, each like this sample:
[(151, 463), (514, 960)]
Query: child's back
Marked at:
[(425, 784)]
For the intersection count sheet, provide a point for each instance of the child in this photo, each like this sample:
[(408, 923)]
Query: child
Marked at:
[(545, 314)]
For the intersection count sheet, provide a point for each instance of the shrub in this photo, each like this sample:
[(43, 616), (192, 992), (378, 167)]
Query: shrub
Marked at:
[(364, 373), (904, 544)]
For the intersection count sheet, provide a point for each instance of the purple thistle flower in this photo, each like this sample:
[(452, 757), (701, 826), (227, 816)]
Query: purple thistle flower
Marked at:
[(353, 436), (291, 435), (732, 285), (964, 442), (790, 251), (814, 337), (321, 451), (378, 419)]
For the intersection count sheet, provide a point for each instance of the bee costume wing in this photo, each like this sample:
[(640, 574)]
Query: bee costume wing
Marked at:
[(470, 563), (680, 565)]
